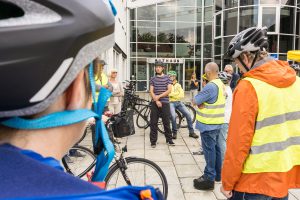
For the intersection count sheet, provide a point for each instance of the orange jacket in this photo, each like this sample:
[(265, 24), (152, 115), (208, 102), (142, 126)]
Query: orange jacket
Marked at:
[(241, 131)]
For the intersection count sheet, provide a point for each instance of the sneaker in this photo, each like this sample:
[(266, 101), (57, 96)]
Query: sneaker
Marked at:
[(198, 153), (174, 136), (153, 145), (218, 180), (76, 154), (203, 184), (194, 135), (171, 143)]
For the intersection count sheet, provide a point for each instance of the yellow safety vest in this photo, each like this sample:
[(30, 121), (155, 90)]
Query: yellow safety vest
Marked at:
[(276, 143), (213, 113), (177, 93), (103, 82)]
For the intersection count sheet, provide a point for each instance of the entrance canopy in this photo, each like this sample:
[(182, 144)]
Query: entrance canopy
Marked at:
[(166, 60)]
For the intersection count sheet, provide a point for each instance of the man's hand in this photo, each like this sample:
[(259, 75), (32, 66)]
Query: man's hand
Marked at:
[(227, 194), (156, 98), (200, 106), (158, 103)]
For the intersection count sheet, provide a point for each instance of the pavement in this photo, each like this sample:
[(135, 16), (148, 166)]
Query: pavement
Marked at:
[(178, 163)]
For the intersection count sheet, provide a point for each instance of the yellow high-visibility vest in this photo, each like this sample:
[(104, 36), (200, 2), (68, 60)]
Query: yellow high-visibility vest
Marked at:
[(103, 82), (213, 113), (276, 143)]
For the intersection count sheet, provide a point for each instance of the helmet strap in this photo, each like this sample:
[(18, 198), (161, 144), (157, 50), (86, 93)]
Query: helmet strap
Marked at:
[(254, 60), (244, 65)]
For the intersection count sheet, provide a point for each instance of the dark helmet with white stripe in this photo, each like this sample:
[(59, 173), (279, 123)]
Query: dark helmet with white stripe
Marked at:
[(250, 40), (44, 44)]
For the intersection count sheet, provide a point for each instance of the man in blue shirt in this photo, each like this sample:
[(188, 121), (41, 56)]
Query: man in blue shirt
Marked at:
[(210, 117)]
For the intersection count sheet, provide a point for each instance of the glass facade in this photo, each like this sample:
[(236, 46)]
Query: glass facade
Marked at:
[(282, 17), (199, 32)]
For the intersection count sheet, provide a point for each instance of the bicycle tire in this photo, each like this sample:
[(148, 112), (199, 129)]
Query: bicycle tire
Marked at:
[(131, 160), (160, 125), (91, 165), (193, 115), (142, 117)]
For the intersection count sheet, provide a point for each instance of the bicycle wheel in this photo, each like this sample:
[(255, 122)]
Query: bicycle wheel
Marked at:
[(140, 172), (160, 125), (79, 161), (192, 112), (143, 117)]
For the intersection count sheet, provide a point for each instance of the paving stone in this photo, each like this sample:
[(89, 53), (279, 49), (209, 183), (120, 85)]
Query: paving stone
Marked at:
[(179, 149), (187, 170), (218, 193), (158, 155), (200, 196), (183, 159), (175, 193)]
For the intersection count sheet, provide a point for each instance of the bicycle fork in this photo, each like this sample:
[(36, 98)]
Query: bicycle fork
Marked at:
[(123, 167)]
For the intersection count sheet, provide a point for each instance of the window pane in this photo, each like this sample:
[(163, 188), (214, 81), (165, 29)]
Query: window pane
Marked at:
[(141, 85), (230, 22), (132, 31), (270, 2), (199, 3), (248, 17), (166, 13), (146, 34), (298, 22), (167, 3), (133, 69), (226, 41), (269, 18), (146, 50), (146, 13), (287, 16), (288, 2), (199, 14), (248, 2), (218, 5), (189, 69), (185, 2), (207, 51), (208, 2), (198, 33), (285, 44), (185, 33), (132, 14), (208, 14), (282, 57), (218, 47), (208, 32), (198, 51), (166, 32), (273, 39), (186, 14), (165, 50), (297, 43), (218, 25), (133, 49), (147, 24), (218, 61), (231, 3), (184, 51), (141, 69)]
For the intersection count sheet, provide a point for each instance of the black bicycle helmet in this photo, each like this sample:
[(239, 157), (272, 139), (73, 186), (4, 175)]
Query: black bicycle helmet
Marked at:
[(250, 40), (224, 77), (44, 44)]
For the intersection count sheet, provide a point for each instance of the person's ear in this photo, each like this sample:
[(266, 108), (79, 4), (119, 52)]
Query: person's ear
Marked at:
[(76, 94)]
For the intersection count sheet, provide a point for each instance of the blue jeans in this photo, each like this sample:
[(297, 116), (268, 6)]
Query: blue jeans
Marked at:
[(212, 154), (247, 196), (222, 140), (181, 107)]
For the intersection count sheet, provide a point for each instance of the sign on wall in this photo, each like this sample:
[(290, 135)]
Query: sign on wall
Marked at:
[(165, 60), (141, 3)]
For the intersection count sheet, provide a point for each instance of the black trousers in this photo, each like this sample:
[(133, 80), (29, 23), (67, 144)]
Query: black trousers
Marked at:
[(164, 113)]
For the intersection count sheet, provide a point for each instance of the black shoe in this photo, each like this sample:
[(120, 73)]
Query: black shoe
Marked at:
[(76, 154), (174, 136), (194, 135), (171, 143), (203, 184), (198, 153), (153, 145)]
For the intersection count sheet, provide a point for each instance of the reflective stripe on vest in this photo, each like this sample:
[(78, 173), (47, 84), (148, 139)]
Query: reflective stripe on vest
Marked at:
[(213, 113), (276, 143)]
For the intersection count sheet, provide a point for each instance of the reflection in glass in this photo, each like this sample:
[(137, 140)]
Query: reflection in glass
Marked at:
[(186, 14), (147, 24), (141, 73), (297, 43), (270, 2), (165, 50), (208, 2), (288, 2), (286, 43), (298, 21), (184, 51), (218, 62), (248, 17), (146, 50), (167, 3), (189, 70), (231, 3), (132, 14), (226, 41), (146, 13), (185, 2), (218, 5), (146, 35), (248, 2), (207, 51), (287, 16), (198, 51), (269, 18), (199, 14), (230, 22), (198, 67), (199, 3), (165, 13), (208, 14), (133, 49), (208, 32), (132, 32), (185, 33), (282, 57), (218, 25), (273, 43), (141, 85), (166, 32), (132, 68), (198, 33), (218, 47)]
